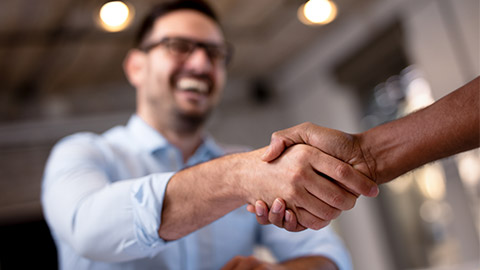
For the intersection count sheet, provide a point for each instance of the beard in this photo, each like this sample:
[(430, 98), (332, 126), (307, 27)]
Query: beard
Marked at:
[(186, 124)]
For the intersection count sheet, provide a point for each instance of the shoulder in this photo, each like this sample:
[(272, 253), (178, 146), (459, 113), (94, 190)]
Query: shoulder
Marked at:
[(80, 138), (78, 144), (88, 143)]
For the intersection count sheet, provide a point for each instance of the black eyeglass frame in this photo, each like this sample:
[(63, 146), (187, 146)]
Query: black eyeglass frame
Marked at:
[(227, 47)]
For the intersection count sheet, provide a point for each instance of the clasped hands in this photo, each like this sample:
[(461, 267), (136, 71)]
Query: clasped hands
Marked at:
[(337, 171)]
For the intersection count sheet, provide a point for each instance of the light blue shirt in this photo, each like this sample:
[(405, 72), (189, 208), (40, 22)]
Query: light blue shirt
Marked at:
[(102, 197)]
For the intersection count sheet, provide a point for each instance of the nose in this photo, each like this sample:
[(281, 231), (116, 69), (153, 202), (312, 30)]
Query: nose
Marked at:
[(199, 61)]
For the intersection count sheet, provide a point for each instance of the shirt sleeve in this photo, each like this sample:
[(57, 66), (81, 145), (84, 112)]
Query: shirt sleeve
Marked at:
[(288, 245), (100, 219)]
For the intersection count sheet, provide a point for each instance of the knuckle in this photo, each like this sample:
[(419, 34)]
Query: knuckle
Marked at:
[(339, 201), (292, 194), (306, 124), (305, 151), (342, 171), (317, 224), (331, 214), (298, 175), (275, 134)]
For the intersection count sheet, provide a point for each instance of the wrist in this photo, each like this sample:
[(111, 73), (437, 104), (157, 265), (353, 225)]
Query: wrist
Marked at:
[(388, 150), (365, 145), (239, 166), (245, 170)]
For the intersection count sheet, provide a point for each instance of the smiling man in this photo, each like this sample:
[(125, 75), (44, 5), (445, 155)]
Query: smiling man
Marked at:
[(159, 193)]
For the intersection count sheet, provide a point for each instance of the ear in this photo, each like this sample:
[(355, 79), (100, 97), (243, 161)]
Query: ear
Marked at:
[(134, 66)]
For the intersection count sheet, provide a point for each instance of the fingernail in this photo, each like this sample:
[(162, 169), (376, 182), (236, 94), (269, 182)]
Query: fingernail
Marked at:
[(374, 191), (277, 206), (259, 209), (288, 216)]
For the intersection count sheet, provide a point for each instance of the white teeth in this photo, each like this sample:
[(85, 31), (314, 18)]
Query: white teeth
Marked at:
[(191, 84)]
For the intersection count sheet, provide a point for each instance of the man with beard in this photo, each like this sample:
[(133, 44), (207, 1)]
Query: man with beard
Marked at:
[(157, 193)]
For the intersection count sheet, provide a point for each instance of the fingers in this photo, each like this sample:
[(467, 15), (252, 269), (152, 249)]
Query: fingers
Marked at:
[(291, 224), (306, 219), (277, 215), (317, 215), (340, 145), (345, 175), (261, 210), (251, 208), (317, 188), (333, 195)]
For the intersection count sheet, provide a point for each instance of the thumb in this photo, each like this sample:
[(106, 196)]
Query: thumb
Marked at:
[(275, 149), (285, 138)]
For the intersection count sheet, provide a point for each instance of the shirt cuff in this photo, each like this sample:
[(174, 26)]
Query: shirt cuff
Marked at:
[(147, 202)]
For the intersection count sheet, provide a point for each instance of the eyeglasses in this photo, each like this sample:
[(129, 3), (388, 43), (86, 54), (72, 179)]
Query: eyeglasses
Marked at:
[(182, 48)]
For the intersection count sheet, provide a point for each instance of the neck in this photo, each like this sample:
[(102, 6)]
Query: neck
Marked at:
[(178, 132), (186, 143)]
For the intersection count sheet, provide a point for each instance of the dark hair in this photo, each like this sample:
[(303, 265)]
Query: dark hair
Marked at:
[(164, 8)]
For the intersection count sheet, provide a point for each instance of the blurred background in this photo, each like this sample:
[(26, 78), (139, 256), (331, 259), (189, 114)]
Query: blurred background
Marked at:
[(370, 62)]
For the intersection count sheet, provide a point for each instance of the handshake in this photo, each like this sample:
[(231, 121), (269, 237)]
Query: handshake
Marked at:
[(321, 172), (326, 170), (309, 174)]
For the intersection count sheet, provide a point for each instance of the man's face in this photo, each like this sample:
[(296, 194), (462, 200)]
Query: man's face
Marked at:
[(190, 85)]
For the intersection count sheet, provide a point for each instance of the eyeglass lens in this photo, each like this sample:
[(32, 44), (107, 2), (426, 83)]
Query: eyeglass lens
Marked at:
[(182, 48)]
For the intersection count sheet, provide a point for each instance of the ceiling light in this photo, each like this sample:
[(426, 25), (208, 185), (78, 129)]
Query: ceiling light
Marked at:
[(317, 12), (115, 16)]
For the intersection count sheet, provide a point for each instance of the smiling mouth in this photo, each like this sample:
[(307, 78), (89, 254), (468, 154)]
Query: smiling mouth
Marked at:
[(193, 85)]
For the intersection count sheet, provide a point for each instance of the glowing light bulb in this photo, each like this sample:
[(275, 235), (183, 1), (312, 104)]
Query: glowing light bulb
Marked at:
[(115, 16), (431, 180), (316, 12)]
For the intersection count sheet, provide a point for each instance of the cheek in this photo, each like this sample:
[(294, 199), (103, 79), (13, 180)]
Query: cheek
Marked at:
[(159, 77), (160, 69)]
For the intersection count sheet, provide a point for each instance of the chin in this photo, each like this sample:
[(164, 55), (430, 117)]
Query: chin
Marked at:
[(195, 111), (191, 121)]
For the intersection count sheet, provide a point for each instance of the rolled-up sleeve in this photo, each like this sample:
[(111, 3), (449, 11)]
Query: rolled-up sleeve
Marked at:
[(97, 217), (147, 205)]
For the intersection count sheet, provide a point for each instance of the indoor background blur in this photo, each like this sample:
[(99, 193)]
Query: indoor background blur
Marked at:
[(60, 72)]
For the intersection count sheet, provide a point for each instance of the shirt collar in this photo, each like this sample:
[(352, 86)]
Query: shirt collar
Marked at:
[(151, 140)]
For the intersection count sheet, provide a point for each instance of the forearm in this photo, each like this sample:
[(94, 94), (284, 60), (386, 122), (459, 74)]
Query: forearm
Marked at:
[(445, 128), (199, 195)]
